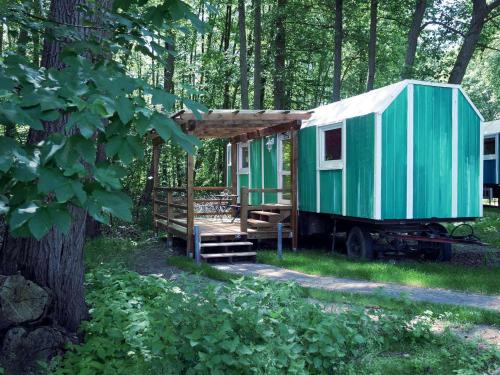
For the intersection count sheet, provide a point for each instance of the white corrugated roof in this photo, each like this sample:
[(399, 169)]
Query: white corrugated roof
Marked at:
[(491, 127), (375, 101)]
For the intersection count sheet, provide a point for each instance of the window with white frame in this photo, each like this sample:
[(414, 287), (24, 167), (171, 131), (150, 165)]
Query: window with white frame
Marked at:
[(229, 161), (490, 148), (243, 158), (330, 146)]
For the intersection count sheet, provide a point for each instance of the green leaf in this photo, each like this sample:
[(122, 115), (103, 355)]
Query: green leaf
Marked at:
[(143, 125), (60, 217), (40, 223), (4, 208), (26, 167), (163, 98), (124, 108), (7, 145), (50, 146), (115, 203), (22, 214)]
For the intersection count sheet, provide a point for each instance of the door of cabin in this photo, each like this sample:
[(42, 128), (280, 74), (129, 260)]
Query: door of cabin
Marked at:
[(284, 167)]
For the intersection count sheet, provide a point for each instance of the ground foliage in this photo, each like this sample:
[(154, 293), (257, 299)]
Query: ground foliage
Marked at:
[(148, 325)]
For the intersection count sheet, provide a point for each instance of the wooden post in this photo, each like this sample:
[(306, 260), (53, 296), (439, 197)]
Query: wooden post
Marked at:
[(234, 170), (197, 244), (280, 241), (294, 167), (244, 209), (156, 182), (190, 204)]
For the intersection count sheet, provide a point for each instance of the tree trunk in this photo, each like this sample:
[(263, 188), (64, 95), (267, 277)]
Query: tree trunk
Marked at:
[(257, 67), (480, 10), (279, 57), (372, 44), (243, 54), (56, 261), (226, 37), (168, 71), (413, 34), (337, 52)]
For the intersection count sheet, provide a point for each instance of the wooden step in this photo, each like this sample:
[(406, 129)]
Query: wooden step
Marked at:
[(259, 223), (222, 234), (229, 255), (221, 244), (265, 213), (276, 206)]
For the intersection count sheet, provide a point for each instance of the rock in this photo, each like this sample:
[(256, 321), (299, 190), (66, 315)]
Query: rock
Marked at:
[(21, 350), (21, 300)]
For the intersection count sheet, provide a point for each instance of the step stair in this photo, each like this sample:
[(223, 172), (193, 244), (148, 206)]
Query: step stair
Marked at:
[(225, 244), (271, 217), (229, 255), (254, 223)]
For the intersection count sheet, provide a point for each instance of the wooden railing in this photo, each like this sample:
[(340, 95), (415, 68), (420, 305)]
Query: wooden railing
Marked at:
[(182, 211), (170, 208)]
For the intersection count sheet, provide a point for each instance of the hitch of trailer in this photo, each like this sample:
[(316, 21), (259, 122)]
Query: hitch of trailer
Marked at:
[(431, 235)]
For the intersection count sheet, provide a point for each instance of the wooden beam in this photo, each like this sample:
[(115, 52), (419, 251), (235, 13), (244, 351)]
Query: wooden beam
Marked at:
[(190, 204), (277, 115), (293, 125), (294, 171)]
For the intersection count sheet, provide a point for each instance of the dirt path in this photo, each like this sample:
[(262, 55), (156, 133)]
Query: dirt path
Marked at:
[(358, 286)]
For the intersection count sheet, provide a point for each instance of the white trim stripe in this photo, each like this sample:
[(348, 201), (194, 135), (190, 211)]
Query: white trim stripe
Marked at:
[(318, 188), (497, 163), (409, 156), (377, 175), (481, 165), (454, 152), (344, 170), (262, 167)]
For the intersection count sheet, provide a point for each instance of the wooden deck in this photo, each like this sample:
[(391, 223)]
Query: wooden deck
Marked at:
[(215, 229)]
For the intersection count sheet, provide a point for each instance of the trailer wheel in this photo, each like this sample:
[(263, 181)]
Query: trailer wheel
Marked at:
[(359, 244), (436, 251)]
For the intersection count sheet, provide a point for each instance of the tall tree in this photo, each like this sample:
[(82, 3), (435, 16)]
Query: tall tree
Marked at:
[(226, 38), (480, 13), (413, 34), (279, 56), (257, 65), (243, 54), (372, 45), (55, 261), (337, 52)]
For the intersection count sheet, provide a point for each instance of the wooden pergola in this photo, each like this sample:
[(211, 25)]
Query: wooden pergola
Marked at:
[(237, 126)]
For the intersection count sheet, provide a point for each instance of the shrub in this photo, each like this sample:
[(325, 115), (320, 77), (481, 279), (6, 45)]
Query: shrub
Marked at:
[(148, 325)]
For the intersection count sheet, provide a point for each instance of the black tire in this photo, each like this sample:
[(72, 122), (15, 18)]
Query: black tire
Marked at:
[(436, 251), (359, 244)]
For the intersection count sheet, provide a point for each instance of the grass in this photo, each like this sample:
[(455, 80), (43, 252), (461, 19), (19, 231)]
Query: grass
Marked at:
[(452, 313), (432, 275)]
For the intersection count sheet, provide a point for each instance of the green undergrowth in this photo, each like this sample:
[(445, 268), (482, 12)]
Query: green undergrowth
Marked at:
[(432, 275), (148, 325), (403, 305)]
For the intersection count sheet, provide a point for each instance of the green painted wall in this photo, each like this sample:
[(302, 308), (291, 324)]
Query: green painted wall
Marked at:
[(330, 182), (468, 159), (242, 181), (270, 171), (307, 169), (229, 176), (432, 152), (394, 156), (256, 170), (360, 166)]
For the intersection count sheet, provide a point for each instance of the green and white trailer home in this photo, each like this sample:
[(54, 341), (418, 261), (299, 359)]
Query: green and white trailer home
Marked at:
[(404, 154)]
